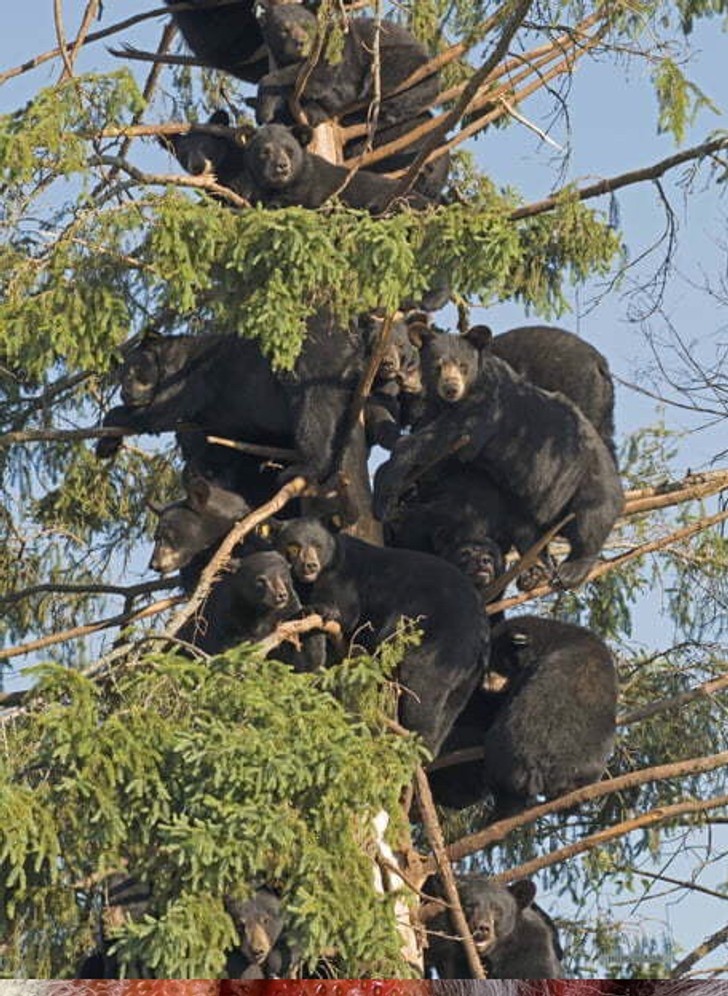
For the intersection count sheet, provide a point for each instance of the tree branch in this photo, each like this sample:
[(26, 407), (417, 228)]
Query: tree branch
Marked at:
[(92, 9), (664, 814), (613, 183), (77, 631), (171, 179), (473, 843), (453, 117), (49, 588), (697, 954), (266, 452), (435, 837), (705, 691), (288, 632), (63, 46), (605, 566)]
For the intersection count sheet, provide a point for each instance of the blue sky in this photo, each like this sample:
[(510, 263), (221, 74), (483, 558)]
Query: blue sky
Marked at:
[(613, 117)]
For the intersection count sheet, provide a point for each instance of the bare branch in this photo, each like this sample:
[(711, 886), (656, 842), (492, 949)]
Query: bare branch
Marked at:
[(62, 43), (92, 9), (171, 180), (705, 691), (612, 183), (435, 837), (49, 588), (79, 631), (473, 843), (614, 563), (697, 954), (664, 814), (265, 452), (289, 632)]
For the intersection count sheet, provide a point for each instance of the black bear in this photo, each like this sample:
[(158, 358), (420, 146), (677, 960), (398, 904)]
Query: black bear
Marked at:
[(286, 175), (333, 88), (551, 730), (514, 939), (224, 385), (368, 589), (125, 898), (200, 152), (535, 446), (264, 952), (397, 381), (225, 37), (246, 605)]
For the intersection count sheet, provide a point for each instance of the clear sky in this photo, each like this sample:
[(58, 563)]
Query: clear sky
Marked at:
[(612, 129)]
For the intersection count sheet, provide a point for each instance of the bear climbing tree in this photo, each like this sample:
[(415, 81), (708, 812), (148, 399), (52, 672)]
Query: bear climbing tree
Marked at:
[(270, 752)]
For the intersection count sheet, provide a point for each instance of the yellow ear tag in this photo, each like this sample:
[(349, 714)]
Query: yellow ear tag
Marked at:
[(264, 530)]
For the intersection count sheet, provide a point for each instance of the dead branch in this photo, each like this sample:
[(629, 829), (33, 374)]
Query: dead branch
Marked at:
[(681, 883), (453, 117), (697, 954), (265, 452), (289, 632), (435, 837), (77, 631), (158, 59), (663, 814), (613, 183), (113, 29), (63, 46), (528, 560), (69, 53), (705, 691), (473, 843), (239, 531), (171, 179), (614, 563), (675, 492)]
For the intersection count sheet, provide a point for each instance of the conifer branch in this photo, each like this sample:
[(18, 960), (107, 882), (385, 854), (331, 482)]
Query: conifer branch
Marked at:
[(171, 179), (435, 838), (472, 843), (614, 563), (654, 817)]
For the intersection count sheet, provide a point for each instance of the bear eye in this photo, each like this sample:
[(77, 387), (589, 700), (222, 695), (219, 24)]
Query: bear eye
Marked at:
[(293, 549), (260, 582), (463, 368)]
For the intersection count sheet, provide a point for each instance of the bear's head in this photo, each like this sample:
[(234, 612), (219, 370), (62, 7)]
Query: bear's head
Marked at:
[(275, 155)]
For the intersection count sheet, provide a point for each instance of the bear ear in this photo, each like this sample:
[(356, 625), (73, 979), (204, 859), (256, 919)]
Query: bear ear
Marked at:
[(243, 133), (303, 134), (479, 336), (523, 891), (419, 330), (220, 117), (198, 492)]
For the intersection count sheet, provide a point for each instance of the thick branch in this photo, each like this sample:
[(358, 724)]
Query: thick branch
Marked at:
[(664, 814), (500, 830), (265, 452), (675, 492), (171, 179), (289, 632), (239, 531), (435, 837), (615, 562), (697, 954)]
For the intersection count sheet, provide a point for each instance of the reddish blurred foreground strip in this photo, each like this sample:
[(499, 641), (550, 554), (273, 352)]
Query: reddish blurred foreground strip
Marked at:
[(328, 987)]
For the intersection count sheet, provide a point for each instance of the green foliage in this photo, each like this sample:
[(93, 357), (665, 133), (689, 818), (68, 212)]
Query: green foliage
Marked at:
[(678, 99), (201, 779)]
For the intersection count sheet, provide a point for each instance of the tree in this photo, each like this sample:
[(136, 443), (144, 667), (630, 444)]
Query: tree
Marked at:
[(205, 777)]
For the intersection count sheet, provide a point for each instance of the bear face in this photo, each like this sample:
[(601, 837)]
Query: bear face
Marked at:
[(275, 156), (263, 582), (308, 547), (140, 377), (451, 363), (259, 922), (289, 31)]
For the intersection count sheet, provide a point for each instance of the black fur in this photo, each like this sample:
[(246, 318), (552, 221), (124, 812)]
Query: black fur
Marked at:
[(535, 446), (224, 385), (549, 732), (287, 175), (397, 380), (368, 589), (226, 38), (333, 88), (514, 939)]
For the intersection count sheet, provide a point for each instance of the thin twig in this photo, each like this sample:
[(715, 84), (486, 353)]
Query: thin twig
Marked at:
[(63, 47), (697, 954), (265, 452), (49, 588), (92, 9)]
